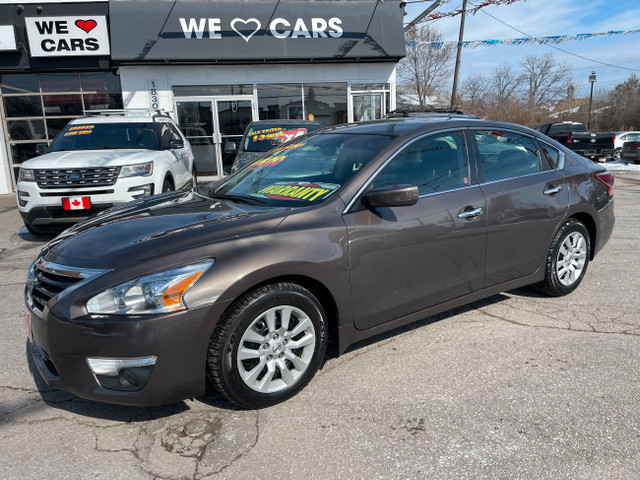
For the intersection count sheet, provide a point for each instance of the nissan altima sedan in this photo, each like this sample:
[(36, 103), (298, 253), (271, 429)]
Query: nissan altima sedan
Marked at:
[(341, 235)]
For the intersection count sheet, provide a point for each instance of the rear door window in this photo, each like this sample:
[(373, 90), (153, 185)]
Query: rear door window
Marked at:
[(506, 155)]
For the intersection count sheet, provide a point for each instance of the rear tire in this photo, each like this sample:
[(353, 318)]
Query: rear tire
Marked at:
[(567, 260), (268, 345)]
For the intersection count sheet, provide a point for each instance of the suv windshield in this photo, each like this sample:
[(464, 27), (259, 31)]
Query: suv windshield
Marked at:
[(264, 137), (106, 136), (303, 173)]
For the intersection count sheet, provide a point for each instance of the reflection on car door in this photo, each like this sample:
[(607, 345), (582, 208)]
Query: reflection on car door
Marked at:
[(526, 200), (404, 259)]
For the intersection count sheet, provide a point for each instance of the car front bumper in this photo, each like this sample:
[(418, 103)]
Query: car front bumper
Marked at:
[(60, 349)]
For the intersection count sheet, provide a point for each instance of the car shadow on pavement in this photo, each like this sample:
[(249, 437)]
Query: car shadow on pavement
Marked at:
[(27, 236), (71, 403)]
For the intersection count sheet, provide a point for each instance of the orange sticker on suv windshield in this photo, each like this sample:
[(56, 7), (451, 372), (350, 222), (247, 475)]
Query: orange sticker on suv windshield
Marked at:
[(298, 191), (267, 162)]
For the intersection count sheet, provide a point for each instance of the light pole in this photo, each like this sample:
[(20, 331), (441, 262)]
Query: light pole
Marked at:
[(592, 80)]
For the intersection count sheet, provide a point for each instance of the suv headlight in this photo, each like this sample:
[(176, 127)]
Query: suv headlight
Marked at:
[(161, 292), (27, 175), (139, 170)]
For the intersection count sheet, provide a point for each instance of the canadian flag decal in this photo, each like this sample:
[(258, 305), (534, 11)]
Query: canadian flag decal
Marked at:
[(76, 203)]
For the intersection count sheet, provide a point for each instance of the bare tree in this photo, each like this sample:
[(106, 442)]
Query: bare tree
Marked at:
[(504, 86), (546, 80), (624, 106), (473, 93), (425, 69)]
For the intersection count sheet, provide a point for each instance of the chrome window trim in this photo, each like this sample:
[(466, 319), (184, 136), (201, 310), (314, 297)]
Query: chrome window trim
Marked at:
[(366, 184), (561, 156), (516, 178)]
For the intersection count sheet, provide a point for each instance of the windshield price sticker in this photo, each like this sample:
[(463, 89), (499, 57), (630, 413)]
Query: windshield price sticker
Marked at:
[(267, 162), (80, 130), (299, 191), (276, 135)]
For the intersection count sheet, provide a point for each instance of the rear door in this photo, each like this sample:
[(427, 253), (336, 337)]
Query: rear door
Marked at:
[(405, 259), (525, 201)]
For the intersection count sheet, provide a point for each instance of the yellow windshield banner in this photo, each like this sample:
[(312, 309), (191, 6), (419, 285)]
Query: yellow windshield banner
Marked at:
[(298, 191), (80, 130)]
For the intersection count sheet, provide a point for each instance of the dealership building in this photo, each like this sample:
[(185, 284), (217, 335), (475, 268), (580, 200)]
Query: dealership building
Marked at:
[(214, 66)]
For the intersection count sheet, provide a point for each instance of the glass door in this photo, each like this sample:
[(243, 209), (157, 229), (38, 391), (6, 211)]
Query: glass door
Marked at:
[(367, 107), (233, 114), (197, 124), (209, 123)]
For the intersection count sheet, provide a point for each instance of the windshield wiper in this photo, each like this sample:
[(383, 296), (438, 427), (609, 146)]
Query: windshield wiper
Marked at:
[(242, 199)]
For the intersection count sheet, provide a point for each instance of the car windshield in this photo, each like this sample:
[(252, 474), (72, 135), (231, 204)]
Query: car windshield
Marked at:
[(303, 173), (100, 136), (264, 137)]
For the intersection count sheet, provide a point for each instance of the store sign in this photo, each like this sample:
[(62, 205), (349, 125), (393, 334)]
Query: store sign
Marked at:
[(68, 36), (279, 28), (228, 30), (7, 39)]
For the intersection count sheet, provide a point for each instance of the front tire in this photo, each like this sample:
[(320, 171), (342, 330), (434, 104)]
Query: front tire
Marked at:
[(167, 185), (268, 345), (567, 260)]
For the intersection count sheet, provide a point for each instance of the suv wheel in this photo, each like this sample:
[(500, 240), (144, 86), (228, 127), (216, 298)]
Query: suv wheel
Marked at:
[(167, 185), (268, 345)]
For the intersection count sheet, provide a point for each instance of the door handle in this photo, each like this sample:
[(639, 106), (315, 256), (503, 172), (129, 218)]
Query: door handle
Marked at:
[(470, 214), (551, 190)]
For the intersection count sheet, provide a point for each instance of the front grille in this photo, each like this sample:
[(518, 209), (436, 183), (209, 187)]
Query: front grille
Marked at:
[(46, 281), (77, 177)]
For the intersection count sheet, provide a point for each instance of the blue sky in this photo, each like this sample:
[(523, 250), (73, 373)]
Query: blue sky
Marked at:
[(545, 18)]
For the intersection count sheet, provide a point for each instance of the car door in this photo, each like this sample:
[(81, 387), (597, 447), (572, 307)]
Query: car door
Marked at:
[(525, 201), (405, 259)]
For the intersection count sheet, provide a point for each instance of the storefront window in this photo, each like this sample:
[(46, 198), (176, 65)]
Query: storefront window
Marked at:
[(19, 83), (280, 101), (369, 86), (212, 90), (100, 82), (62, 105), (26, 129), (34, 115), (60, 82), (23, 106), (326, 102)]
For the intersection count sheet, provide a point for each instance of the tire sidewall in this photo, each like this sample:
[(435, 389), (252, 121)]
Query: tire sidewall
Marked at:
[(567, 229), (241, 393)]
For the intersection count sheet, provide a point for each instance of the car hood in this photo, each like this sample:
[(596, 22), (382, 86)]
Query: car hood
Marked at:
[(158, 226), (91, 158)]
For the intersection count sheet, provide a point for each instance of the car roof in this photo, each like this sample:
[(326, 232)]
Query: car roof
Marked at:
[(93, 119), (397, 127)]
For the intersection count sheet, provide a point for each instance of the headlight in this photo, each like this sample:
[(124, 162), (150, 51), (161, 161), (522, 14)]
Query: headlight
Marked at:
[(140, 170), (157, 293), (27, 175)]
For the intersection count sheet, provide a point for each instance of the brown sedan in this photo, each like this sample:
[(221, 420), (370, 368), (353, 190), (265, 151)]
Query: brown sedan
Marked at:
[(346, 233)]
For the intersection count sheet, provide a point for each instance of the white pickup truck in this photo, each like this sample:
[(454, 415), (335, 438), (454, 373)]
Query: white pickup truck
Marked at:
[(100, 161)]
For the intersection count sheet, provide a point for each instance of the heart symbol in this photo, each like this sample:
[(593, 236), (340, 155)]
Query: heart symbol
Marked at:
[(86, 25), (245, 23)]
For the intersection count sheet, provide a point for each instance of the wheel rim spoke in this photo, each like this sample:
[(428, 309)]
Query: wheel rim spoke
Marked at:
[(277, 361), (571, 259)]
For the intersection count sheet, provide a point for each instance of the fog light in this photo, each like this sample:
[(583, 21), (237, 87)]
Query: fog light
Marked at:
[(112, 366), (141, 191), (21, 196)]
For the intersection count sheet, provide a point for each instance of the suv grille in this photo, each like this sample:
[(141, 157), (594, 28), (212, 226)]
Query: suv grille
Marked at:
[(48, 280), (77, 177)]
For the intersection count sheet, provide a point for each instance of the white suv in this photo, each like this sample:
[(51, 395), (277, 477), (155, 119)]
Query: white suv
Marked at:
[(97, 162)]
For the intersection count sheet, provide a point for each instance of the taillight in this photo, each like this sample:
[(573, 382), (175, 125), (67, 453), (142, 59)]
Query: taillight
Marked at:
[(570, 140), (607, 179)]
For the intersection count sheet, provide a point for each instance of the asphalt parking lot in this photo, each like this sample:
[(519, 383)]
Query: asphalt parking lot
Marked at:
[(515, 386)]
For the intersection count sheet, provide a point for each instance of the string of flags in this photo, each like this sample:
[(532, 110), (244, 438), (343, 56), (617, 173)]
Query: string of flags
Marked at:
[(556, 39), (478, 6)]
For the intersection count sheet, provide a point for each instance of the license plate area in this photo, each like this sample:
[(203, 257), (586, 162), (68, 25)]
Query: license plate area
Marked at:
[(76, 203)]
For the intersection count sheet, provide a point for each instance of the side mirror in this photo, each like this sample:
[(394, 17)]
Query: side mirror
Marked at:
[(230, 147), (41, 148), (175, 144), (391, 195)]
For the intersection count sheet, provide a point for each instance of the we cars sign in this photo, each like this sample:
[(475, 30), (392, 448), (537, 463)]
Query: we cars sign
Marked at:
[(68, 36)]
